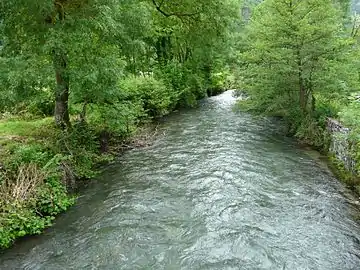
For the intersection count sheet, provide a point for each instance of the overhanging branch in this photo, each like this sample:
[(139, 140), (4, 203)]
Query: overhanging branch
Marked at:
[(166, 14)]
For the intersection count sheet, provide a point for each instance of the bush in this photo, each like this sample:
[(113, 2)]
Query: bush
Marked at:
[(119, 119), (196, 85), (155, 97), (17, 222), (29, 203), (217, 84), (350, 114), (52, 198), (26, 154), (78, 151), (311, 132), (188, 84)]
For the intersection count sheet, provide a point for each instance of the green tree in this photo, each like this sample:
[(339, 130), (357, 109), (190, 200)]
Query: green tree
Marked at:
[(86, 46), (293, 47), (52, 30)]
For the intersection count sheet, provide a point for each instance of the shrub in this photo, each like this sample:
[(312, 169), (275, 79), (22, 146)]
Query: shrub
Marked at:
[(155, 97), (311, 132), (29, 203), (52, 198), (350, 114), (188, 83), (77, 149), (19, 221), (19, 154), (217, 84), (119, 119), (23, 188)]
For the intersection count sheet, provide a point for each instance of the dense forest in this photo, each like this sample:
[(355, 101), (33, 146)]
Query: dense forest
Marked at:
[(79, 78)]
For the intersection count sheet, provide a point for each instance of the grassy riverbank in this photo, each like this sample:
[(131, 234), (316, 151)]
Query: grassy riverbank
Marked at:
[(32, 190), (41, 165), (101, 69)]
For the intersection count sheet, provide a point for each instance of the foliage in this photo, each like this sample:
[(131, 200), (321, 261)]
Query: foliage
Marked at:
[(313, 132), (295, 51), (17, 222), (189, 86), (154, 96), (102, 68), (299, 64), (29, 203), (300, 61), (349, 114)]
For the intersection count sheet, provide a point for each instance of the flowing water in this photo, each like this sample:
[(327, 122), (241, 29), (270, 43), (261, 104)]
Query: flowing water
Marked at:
[(218, 190)]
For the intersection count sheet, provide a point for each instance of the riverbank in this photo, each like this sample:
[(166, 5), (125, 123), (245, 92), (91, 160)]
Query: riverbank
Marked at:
[(42, 167), (219, 180), (343, 153), (332, 129)]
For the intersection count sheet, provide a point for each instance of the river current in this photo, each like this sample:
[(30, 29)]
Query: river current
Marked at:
[(218, 189)]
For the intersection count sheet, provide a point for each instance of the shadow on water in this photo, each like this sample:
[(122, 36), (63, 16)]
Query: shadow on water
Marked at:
[(219, 190)]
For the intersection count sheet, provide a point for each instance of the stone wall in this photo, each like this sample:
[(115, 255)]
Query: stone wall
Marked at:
[(340, 144)]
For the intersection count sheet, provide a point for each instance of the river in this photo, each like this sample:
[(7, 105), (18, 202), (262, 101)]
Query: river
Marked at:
[(216, 190)]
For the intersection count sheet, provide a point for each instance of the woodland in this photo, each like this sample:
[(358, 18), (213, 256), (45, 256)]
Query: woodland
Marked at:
[(79, 79)]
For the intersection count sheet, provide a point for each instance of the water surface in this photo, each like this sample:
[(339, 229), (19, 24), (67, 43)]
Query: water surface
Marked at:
[(219, 190)]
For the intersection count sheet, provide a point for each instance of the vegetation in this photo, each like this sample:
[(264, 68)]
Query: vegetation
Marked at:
[(300, 61), (77, 78)]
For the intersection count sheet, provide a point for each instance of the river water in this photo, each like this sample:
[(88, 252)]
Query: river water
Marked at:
[(217, 190)]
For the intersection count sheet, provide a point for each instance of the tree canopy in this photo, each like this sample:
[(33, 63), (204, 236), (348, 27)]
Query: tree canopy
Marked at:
[(79, 50)]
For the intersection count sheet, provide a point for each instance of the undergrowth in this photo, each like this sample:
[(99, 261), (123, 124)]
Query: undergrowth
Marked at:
[(41, 165)]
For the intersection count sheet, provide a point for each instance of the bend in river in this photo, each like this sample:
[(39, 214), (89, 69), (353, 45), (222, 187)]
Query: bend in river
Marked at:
[(220, 190)]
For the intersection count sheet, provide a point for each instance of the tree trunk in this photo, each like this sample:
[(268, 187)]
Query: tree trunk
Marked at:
[(104, 141), (163, 46), (313, 104), (302, 86), (62, 118), (303, 96), (83, 113), (61, 112)]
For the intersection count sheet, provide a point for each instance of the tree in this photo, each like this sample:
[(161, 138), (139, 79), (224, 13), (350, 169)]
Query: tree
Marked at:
[(51, 30), (194, 36), (91, 44), (293, 46)]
